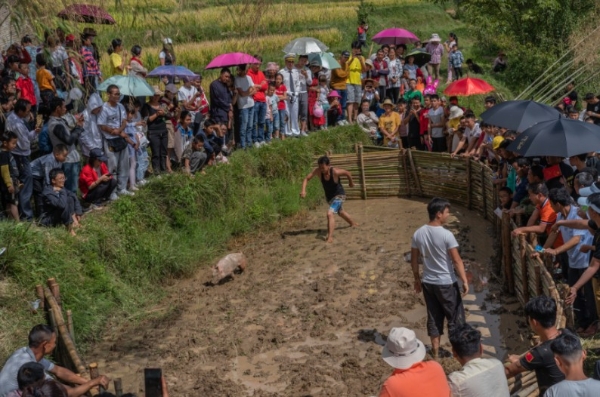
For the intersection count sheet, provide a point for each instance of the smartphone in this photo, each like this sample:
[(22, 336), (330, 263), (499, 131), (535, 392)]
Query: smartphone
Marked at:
[(153, 382)]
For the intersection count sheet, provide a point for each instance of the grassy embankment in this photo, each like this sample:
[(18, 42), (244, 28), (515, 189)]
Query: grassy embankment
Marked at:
[(117, 264)]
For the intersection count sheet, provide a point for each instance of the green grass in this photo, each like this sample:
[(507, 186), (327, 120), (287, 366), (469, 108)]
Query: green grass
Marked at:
[(118, 263)]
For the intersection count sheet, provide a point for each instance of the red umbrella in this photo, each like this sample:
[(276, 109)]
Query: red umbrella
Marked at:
[(395, 36), (468, 86), (87, 13)]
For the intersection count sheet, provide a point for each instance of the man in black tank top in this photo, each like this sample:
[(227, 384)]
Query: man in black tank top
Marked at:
[(334, 192)]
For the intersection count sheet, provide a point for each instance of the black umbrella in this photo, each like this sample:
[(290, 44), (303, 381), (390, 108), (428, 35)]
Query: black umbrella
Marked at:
[(518, 115), (560, 137), (421, 57)]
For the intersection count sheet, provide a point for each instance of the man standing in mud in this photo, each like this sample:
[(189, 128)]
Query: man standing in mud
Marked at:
[(334, 192), (439, 249)]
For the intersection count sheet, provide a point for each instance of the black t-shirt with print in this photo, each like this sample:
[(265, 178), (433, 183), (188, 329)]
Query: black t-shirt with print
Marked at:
[(541, 360), (594, 108)]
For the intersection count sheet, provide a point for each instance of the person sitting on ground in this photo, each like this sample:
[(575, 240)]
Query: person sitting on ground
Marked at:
[(541, 317), (194, 157), (368, 122), (473, 67), (412, 376), (61, 206), (42, 341), (570, 357), (9, 175), (479, 376), (28, 374), (95, 182), (40, 170), (500, 64)]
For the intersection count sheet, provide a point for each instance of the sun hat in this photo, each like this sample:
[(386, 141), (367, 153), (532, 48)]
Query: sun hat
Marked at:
[(157, 90), (98, 154), (443, 99), (496, 142), (172, 88), (456, 112), (587, 191), (167, 41), (334, 94), (272, 66), (289, 56), (435, 38), (315, 63), (369, 62), (402, 349), (387, 101)]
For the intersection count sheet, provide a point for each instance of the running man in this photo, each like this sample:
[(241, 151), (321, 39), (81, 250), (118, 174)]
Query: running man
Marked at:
[(334, 192)]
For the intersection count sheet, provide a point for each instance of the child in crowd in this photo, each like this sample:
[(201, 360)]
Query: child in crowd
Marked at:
[(281, 92), (45, 79), (323, 92), (371, 95), (505, 195), (194, 156), (272, 118), (335, 109), (9, 175), (184, 128), (420, 86), (456, 60), (411, 68), (134, 144)]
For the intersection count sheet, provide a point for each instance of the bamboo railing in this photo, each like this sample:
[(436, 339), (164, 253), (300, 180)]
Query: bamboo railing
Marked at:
[(383, 172)]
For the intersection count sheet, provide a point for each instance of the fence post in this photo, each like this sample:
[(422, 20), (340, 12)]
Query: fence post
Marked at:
[(507, 252), (524, 275), (414, 172), (483, 193), (539, 289), (407, 178), (469, 194), (361, 164)]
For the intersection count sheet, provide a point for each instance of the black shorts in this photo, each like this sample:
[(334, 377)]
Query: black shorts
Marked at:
[(443, 301)]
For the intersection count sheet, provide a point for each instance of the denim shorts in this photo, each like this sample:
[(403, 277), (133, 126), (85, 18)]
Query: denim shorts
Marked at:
[(335, 205), (354, 93)]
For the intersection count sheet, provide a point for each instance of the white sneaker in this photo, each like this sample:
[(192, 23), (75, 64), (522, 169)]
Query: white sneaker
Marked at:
[(134, 188), (125, 192), (113, 197), (142, 182), (257, 144), (303, 133)]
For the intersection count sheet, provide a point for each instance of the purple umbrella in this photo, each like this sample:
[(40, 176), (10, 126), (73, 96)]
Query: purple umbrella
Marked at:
[(395, 36), (231, 59), (87, 13)]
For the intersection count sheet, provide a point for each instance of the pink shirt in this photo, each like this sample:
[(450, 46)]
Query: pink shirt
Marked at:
[(436, 51)]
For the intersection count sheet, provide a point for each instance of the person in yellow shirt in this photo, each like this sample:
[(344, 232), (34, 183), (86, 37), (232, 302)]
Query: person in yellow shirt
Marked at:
[(356, 66), (389, 125), (118, 58)]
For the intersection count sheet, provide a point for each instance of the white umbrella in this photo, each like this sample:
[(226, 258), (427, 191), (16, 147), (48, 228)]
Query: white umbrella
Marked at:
[(304, 45)]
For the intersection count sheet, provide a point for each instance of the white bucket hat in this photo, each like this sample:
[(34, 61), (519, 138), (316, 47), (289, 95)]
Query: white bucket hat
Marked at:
[(435, 38), (402, 349), (456, 112), (168, 41)]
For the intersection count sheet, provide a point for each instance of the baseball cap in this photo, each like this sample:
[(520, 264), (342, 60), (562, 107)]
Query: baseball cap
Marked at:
[(587, 191), (98, 154), (345, 53), (496, 142)]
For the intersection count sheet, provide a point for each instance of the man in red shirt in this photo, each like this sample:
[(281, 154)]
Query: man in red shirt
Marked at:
[(412, 377), (260, 102)]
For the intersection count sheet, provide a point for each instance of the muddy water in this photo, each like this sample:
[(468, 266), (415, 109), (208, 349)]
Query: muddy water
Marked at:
[(307, 318)]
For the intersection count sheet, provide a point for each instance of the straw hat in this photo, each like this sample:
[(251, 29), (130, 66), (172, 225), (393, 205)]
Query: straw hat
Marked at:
[(369, 62), (387, 101), (456, 112), (402, 349), (435, 38)]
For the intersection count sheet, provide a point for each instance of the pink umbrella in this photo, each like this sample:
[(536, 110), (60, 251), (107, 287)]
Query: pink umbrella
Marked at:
[(395, 36), (87, 13), (231, 59)]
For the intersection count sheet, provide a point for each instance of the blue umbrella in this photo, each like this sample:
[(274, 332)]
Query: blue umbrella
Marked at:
[(128, 85), (172, 71)]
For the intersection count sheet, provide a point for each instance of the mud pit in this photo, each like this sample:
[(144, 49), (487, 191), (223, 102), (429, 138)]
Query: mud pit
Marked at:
[(307, 318)]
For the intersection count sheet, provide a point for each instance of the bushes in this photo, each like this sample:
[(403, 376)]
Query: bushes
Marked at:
[(169, 229)]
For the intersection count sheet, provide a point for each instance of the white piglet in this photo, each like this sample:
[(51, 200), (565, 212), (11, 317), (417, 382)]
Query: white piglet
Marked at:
[(227, 265)]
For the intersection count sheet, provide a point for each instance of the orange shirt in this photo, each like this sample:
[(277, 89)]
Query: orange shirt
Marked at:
[(44, 79), (548, 217), (424, 379)]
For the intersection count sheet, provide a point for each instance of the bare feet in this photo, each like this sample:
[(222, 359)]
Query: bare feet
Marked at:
[(329, 239), (354, 224)]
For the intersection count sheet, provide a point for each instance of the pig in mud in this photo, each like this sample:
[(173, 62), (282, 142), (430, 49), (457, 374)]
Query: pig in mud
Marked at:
[(227, 265)]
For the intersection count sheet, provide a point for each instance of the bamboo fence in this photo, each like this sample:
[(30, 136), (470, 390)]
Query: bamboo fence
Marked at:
[(383, 172)]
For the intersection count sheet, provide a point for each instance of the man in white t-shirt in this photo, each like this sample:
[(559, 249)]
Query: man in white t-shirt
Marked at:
[(245, 89), (437, 121), (569, 356), (187, 96), (439, 249), (470, 136), (479, 376)]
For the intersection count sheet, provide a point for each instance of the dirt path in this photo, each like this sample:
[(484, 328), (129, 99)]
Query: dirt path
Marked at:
[(305, 318)]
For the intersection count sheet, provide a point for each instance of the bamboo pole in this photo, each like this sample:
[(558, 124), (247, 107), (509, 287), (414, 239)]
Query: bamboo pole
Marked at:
[(506, 252), (95, 373), (485, 214), (118, 387), (55, 289), (362, 172), (522, 246), (538, 280), (469, 198), (414, 171), (70, 325), (39, 291)]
